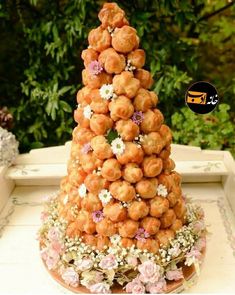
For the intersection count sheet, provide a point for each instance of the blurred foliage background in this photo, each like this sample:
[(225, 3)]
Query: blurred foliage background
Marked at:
[(185, 41)]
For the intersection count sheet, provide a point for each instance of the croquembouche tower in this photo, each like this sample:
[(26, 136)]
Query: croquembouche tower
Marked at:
[(119, 222)]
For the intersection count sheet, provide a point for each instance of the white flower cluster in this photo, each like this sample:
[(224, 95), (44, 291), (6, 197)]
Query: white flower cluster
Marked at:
[(82, 190), (129, 66), (105, 196), (107, 91), (118, 146), (87, 112), (162, 190), (8, 147)]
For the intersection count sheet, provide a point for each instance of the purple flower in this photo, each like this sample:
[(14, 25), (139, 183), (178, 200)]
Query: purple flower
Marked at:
[(141, 235), (86, 148), (174, 275), (137, 117), (95, 68), (97, 216), (157, 287)]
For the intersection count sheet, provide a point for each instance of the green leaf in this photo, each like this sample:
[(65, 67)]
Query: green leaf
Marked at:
[(65, 106), (112, 134)]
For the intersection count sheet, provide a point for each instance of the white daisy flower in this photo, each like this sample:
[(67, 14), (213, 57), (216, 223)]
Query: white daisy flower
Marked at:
[(106, 91), (115, 239), (118, 146), (82, 190), (162, 190), (105, 196), (87, 112)]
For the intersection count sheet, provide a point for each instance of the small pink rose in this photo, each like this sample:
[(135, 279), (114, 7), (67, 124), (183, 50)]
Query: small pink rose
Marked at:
[(57, 246), (84, 264), (44, 216), (174, 275), (157, 287), (193, 256), (200, 244), (51, 257), (108, 262), (149, 272), (53, 234), (132, 260), (198, 226), (70, 277), (135, 287), (100, 288)]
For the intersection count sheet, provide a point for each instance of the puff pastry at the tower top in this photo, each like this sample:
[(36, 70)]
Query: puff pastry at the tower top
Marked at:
[(145, 100), (111, 15), (126, 84), (152, 166), (98, 105), (133, 153), (99, 39), (164, 236), (151, 225), (89, 162), (137, 58), (106, 227), (112, 62), (138, 209), (111, 170), (125, 39), (152, 121), (145, 78), (128, 228), (82, 135), (127, 129), (95, 183), (101, 148), (153, 143), (146, 188), (95, 81), (91, 203), (100, 123), (122, 190), (115, 212), (121, 108), (89, 55), (132, 173)]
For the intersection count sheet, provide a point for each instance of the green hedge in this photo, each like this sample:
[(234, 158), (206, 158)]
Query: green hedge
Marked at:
[(40, 64)]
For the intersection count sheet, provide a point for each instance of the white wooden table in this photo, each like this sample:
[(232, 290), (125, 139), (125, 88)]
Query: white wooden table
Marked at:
[(208, 177)]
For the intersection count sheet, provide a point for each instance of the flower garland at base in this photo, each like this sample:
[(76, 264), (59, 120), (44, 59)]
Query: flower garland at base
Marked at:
[(136, 271)]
